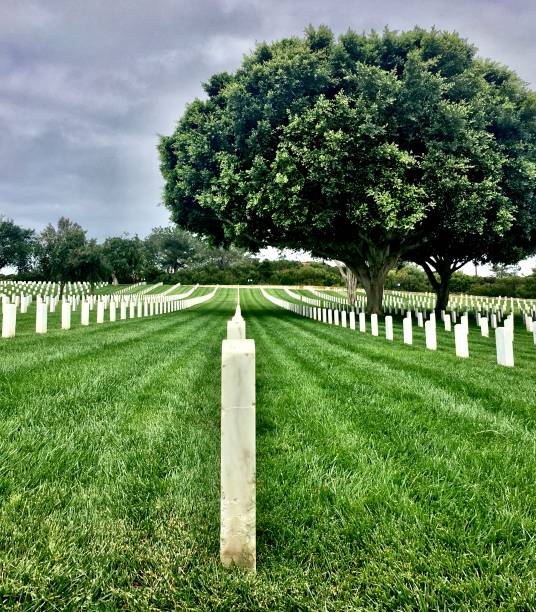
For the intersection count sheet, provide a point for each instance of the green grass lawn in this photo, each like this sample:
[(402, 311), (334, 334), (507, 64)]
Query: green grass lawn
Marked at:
[(388, 477)]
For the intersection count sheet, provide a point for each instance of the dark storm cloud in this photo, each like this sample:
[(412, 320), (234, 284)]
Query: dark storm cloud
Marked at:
[(85, 87)]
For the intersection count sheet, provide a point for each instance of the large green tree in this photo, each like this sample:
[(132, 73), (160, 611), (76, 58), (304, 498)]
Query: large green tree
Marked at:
[(16, 245), (482, 177), (367, 150)]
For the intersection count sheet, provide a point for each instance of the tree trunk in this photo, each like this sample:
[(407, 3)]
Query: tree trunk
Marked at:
[(351, 287), (350, 280), (374, 290), (441, 286), (372, 275), (442, 293)]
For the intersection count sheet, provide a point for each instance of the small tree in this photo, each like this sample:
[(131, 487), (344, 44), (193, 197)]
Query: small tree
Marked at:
[(481, 175), (16, 245), (88, 263), (125, 258), (168, 249), (56, 251)]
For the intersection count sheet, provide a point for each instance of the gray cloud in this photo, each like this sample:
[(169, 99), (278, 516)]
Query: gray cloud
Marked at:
[(85, 87)]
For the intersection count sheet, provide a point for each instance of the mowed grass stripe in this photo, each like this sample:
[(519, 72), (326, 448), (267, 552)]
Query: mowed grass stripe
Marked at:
[(26, 322), (372, 492), (504, 389), (440, 476), (480, 348), (33, 350), (94, 479)]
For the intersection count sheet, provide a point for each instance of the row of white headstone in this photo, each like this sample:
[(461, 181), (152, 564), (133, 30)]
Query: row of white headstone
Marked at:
[(24, 301), (43, 288), (504, 336), (403, 301), (483, 319), (136, 308), (129, 289), (303, 298), (238, 462)]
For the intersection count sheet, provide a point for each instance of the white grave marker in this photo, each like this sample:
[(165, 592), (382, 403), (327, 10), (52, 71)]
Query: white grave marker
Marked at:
[(238, 488), (389, 328), (504, 346), (430, 334), (9, 320), (66, 315), (374, 324), (461, 341), (407, 329)]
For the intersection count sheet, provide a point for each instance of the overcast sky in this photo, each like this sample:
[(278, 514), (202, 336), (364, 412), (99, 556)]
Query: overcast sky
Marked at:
[(87, 86)]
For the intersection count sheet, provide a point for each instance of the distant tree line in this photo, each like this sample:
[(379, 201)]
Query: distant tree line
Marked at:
[(64, 253)]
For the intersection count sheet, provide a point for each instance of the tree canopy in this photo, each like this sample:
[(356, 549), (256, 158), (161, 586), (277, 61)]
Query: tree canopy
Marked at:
[(58, 248), (368, 150), (125, 258), (16, 245)]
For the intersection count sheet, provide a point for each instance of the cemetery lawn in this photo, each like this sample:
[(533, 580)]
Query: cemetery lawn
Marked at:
[(388, 477)]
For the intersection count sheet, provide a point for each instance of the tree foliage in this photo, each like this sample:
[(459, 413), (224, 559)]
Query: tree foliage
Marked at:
[(16, 245), (58, 249), (170, 248), (368, 150), (125, 258)]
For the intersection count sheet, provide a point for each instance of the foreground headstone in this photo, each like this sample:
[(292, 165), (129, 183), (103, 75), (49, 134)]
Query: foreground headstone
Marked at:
[(430, 335), (66, 315), (9, 320), (84, 313), (504, 346), (352, 320), (41, 318), (374, 324), (362, 322), (461, 341), (100, 312), (389, 328), (238, 479), (407, 329)]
